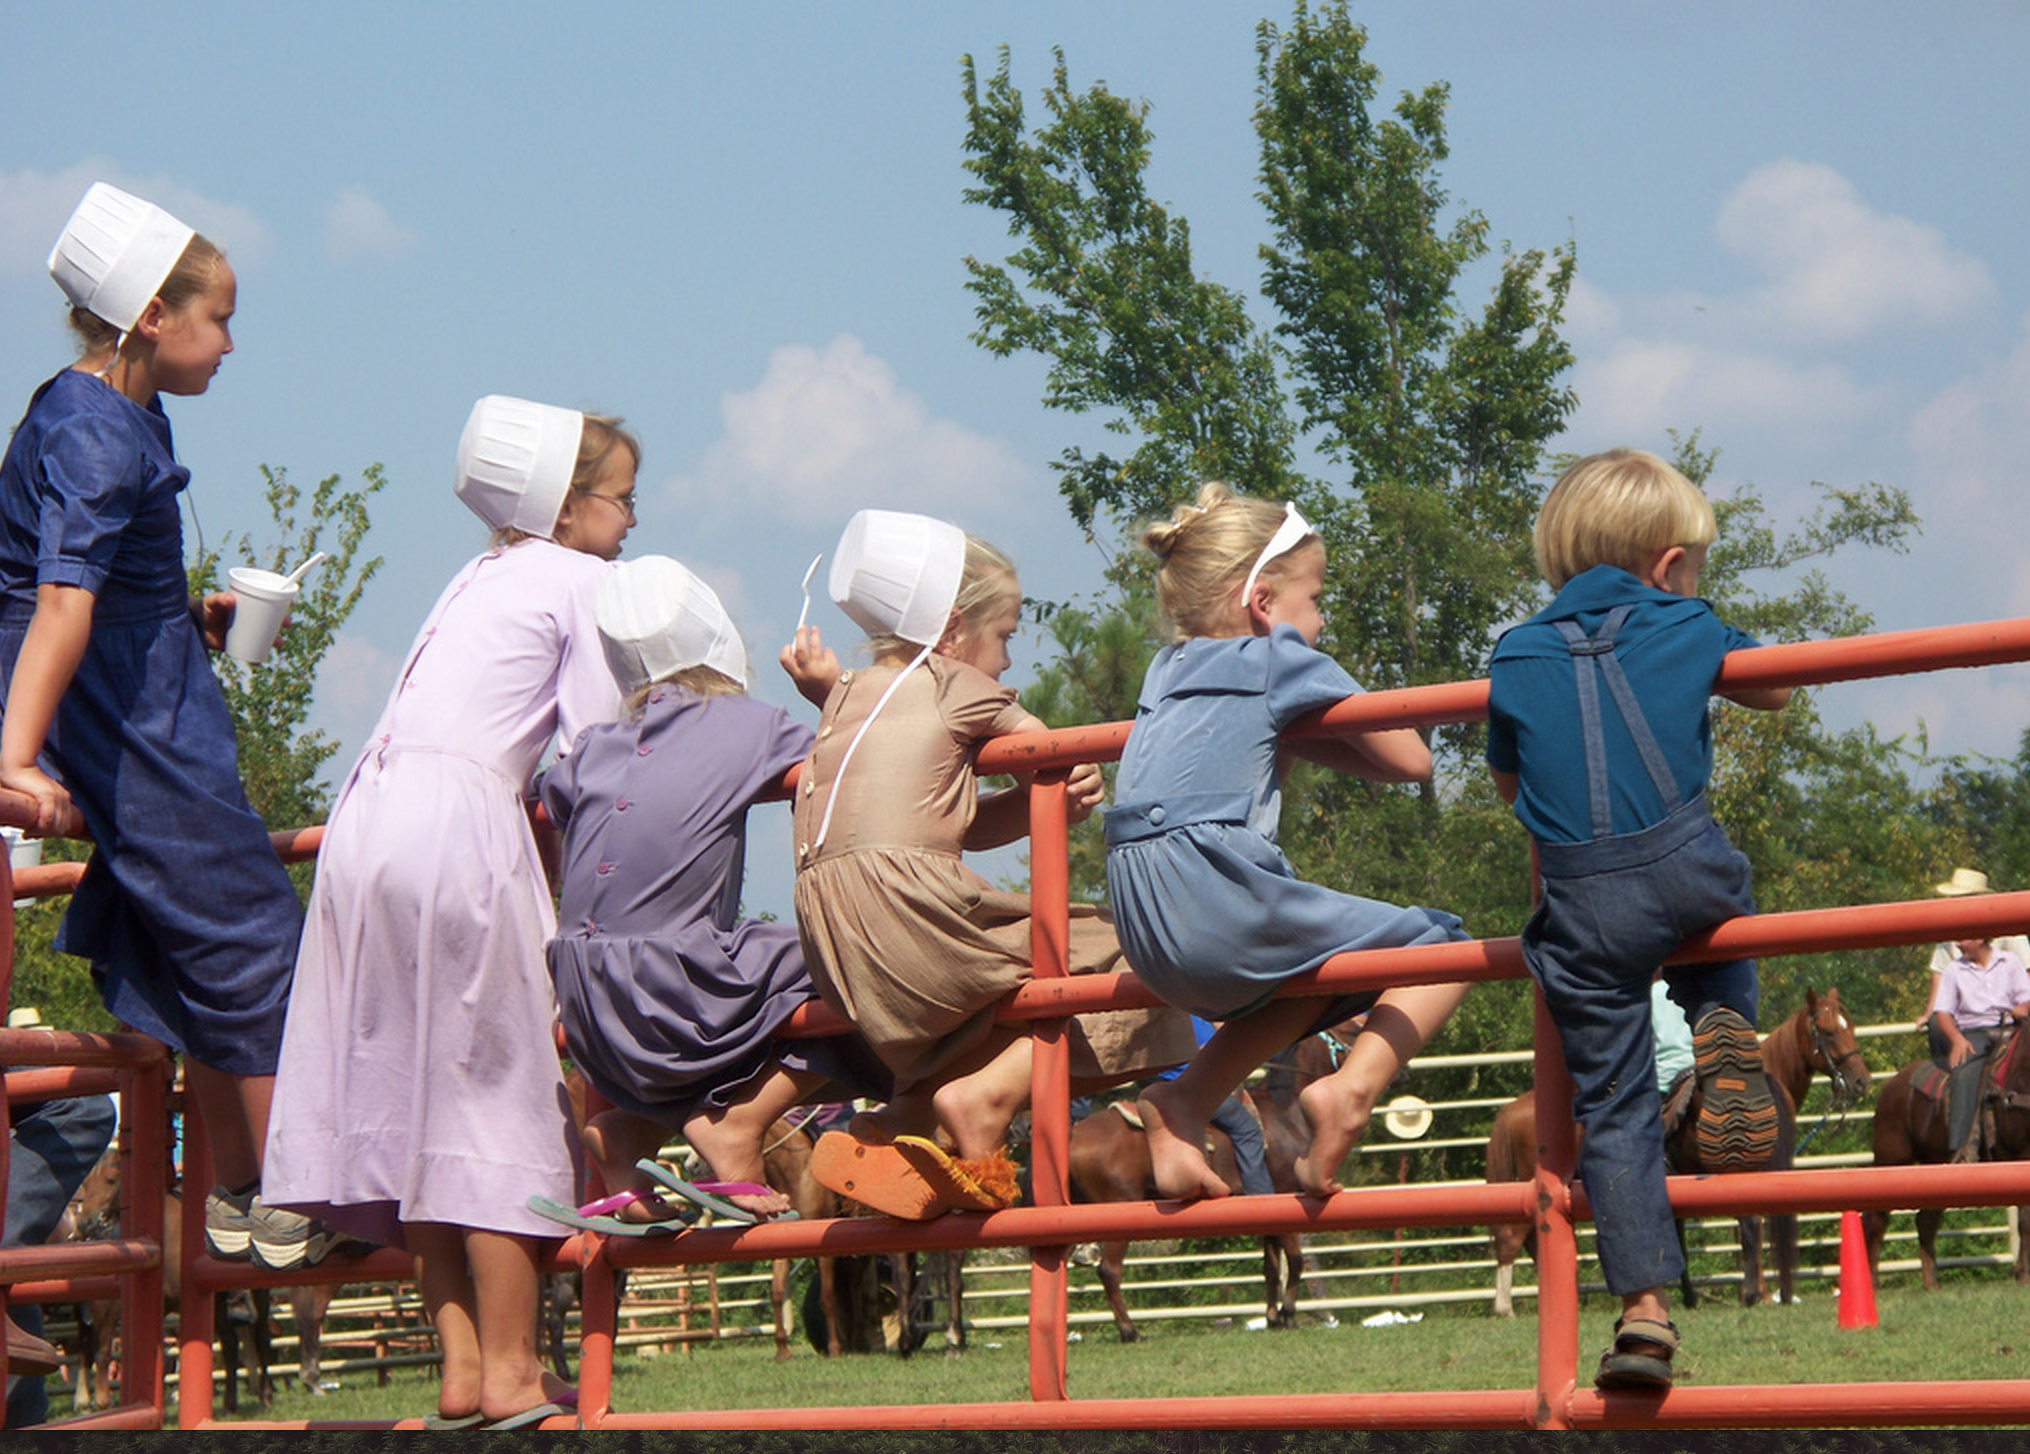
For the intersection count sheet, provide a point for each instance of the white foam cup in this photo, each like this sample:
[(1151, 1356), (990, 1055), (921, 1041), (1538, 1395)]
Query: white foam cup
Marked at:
[(264, 602)]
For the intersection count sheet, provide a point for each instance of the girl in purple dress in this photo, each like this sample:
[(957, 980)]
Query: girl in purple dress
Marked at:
[(420, 1101), (670, 1001)]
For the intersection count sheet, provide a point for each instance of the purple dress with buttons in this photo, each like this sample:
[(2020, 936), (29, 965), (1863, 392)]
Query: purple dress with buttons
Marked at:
[(419, 1078), (671, 1002)]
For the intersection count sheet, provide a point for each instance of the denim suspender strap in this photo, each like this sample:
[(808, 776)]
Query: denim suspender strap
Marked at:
[(1593, 658)]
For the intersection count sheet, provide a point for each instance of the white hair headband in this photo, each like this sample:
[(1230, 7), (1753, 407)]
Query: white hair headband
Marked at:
[(1293, 529)]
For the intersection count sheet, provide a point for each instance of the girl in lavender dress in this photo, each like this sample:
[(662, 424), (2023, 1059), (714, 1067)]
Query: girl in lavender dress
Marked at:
[(670, 1001), (420, 1101)]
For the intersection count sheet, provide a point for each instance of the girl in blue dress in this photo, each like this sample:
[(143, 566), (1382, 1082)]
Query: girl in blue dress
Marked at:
[(1210, 913), (113, 721)]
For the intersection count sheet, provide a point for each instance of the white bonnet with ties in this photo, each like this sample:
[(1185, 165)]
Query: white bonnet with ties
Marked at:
[(655, 617), (515, 462), (898, 574), (114, 254), (895, 575)]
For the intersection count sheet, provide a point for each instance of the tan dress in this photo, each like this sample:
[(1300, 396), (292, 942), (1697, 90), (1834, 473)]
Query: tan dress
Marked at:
[(900, 936)]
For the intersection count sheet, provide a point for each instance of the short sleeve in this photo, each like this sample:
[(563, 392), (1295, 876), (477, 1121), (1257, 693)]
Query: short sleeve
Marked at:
[(90, 477), (786, 742), (973, 704), (586, 694), (558, 788), (1301, 678)]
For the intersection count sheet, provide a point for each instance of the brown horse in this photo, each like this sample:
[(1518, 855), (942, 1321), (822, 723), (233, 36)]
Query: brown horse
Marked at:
[(1109, 1162), (1818, 1039), (1910, 1129), (242, 1318), (857, 1303)]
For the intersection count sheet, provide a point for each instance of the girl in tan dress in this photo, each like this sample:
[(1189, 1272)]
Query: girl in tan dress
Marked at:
[(899, 935)]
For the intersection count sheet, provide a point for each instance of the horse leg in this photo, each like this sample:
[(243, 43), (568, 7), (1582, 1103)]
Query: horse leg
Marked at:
[(2022, 1268), (1112, 1256), (226, 1315), (778, 1302), (308, 1305), (1291, 1247), (1927, 1245), (898, 1337), (1691, 1293), (1752, 1288), (834, 1304), (955, 1302), (1873, 1226)]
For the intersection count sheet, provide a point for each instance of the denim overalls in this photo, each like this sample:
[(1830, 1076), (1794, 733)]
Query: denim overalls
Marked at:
[(1613, 907)]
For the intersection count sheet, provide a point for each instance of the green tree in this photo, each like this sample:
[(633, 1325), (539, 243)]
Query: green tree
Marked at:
[(1108, 294), (1435, 421), (282, 759)]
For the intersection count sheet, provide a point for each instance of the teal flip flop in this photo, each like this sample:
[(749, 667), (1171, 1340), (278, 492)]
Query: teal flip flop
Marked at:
[(527, 1418), (704, 1196), (441, 1424), (606, 1226)]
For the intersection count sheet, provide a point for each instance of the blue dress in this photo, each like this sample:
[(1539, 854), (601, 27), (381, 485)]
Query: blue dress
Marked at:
[(187, 916), (1210, 913)]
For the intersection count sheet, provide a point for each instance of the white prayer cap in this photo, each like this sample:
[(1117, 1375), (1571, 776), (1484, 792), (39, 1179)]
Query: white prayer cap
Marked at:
[(656, 618), (515, 462), (897, 574), (114, 254)]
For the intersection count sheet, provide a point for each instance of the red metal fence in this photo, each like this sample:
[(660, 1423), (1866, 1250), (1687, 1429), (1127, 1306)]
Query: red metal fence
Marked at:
[(1556, 1398)]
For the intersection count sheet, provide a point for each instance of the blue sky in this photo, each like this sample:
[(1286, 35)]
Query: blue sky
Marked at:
[(1800, 228)]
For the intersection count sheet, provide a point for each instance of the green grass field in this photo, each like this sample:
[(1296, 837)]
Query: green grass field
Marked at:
[(1974, 1328)]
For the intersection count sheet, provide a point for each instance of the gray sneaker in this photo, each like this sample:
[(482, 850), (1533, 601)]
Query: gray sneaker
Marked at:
[(284, 1241), (228, 1224)]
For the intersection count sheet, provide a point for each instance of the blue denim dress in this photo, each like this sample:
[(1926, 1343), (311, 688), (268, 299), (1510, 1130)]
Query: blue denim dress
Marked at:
[(1210, 913), (187, 916)]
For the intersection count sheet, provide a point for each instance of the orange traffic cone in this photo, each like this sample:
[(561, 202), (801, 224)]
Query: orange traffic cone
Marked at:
[(1857, 1283)]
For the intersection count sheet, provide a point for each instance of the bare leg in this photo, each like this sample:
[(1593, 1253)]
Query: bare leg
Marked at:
[(911, 1113), (512, 1378), (730, 1140), (975, 1105), (614, 1141), (448, 1298), (1175, 1112), (235, 1113), (1338, 1106)]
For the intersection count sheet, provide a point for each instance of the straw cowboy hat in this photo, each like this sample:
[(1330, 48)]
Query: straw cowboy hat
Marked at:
[(25, 1018), (1964, 882), (1407, 1117)]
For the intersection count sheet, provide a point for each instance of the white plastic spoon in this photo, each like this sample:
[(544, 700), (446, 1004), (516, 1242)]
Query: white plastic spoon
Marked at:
[(809, 571), (297, 575)]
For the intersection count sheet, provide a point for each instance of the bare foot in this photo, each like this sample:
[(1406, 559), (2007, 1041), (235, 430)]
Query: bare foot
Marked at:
[(1177, 1150), (762, 1204), (1338, 1114), (614, 1141)]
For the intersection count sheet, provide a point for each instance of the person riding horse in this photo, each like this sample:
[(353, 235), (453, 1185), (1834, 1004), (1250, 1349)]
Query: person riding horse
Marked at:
[(1980, 991)]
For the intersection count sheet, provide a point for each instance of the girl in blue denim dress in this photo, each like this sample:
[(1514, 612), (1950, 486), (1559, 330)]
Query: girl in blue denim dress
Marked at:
[(1210, 913)]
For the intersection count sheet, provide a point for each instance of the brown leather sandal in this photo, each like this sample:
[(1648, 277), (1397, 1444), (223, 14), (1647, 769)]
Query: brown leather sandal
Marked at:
[(1634, 1362)]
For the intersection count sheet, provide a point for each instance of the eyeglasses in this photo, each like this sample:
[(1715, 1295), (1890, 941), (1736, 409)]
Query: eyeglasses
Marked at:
[(625, 502)]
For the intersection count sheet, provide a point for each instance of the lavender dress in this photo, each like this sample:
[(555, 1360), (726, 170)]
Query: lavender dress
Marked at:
[(670, 1001), (419, 1078)]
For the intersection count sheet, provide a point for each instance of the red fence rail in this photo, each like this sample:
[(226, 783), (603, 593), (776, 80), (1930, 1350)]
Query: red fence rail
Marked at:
[(1555, 1399)]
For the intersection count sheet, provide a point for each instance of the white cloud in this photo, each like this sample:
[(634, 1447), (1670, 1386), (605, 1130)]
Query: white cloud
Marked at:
[(1837, 268), (357, 226), (1970, 444), (1635, 388), (35, 205), (835, 428)]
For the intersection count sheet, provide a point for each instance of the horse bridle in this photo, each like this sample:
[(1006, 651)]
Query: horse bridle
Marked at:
[(1828, 1061)]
